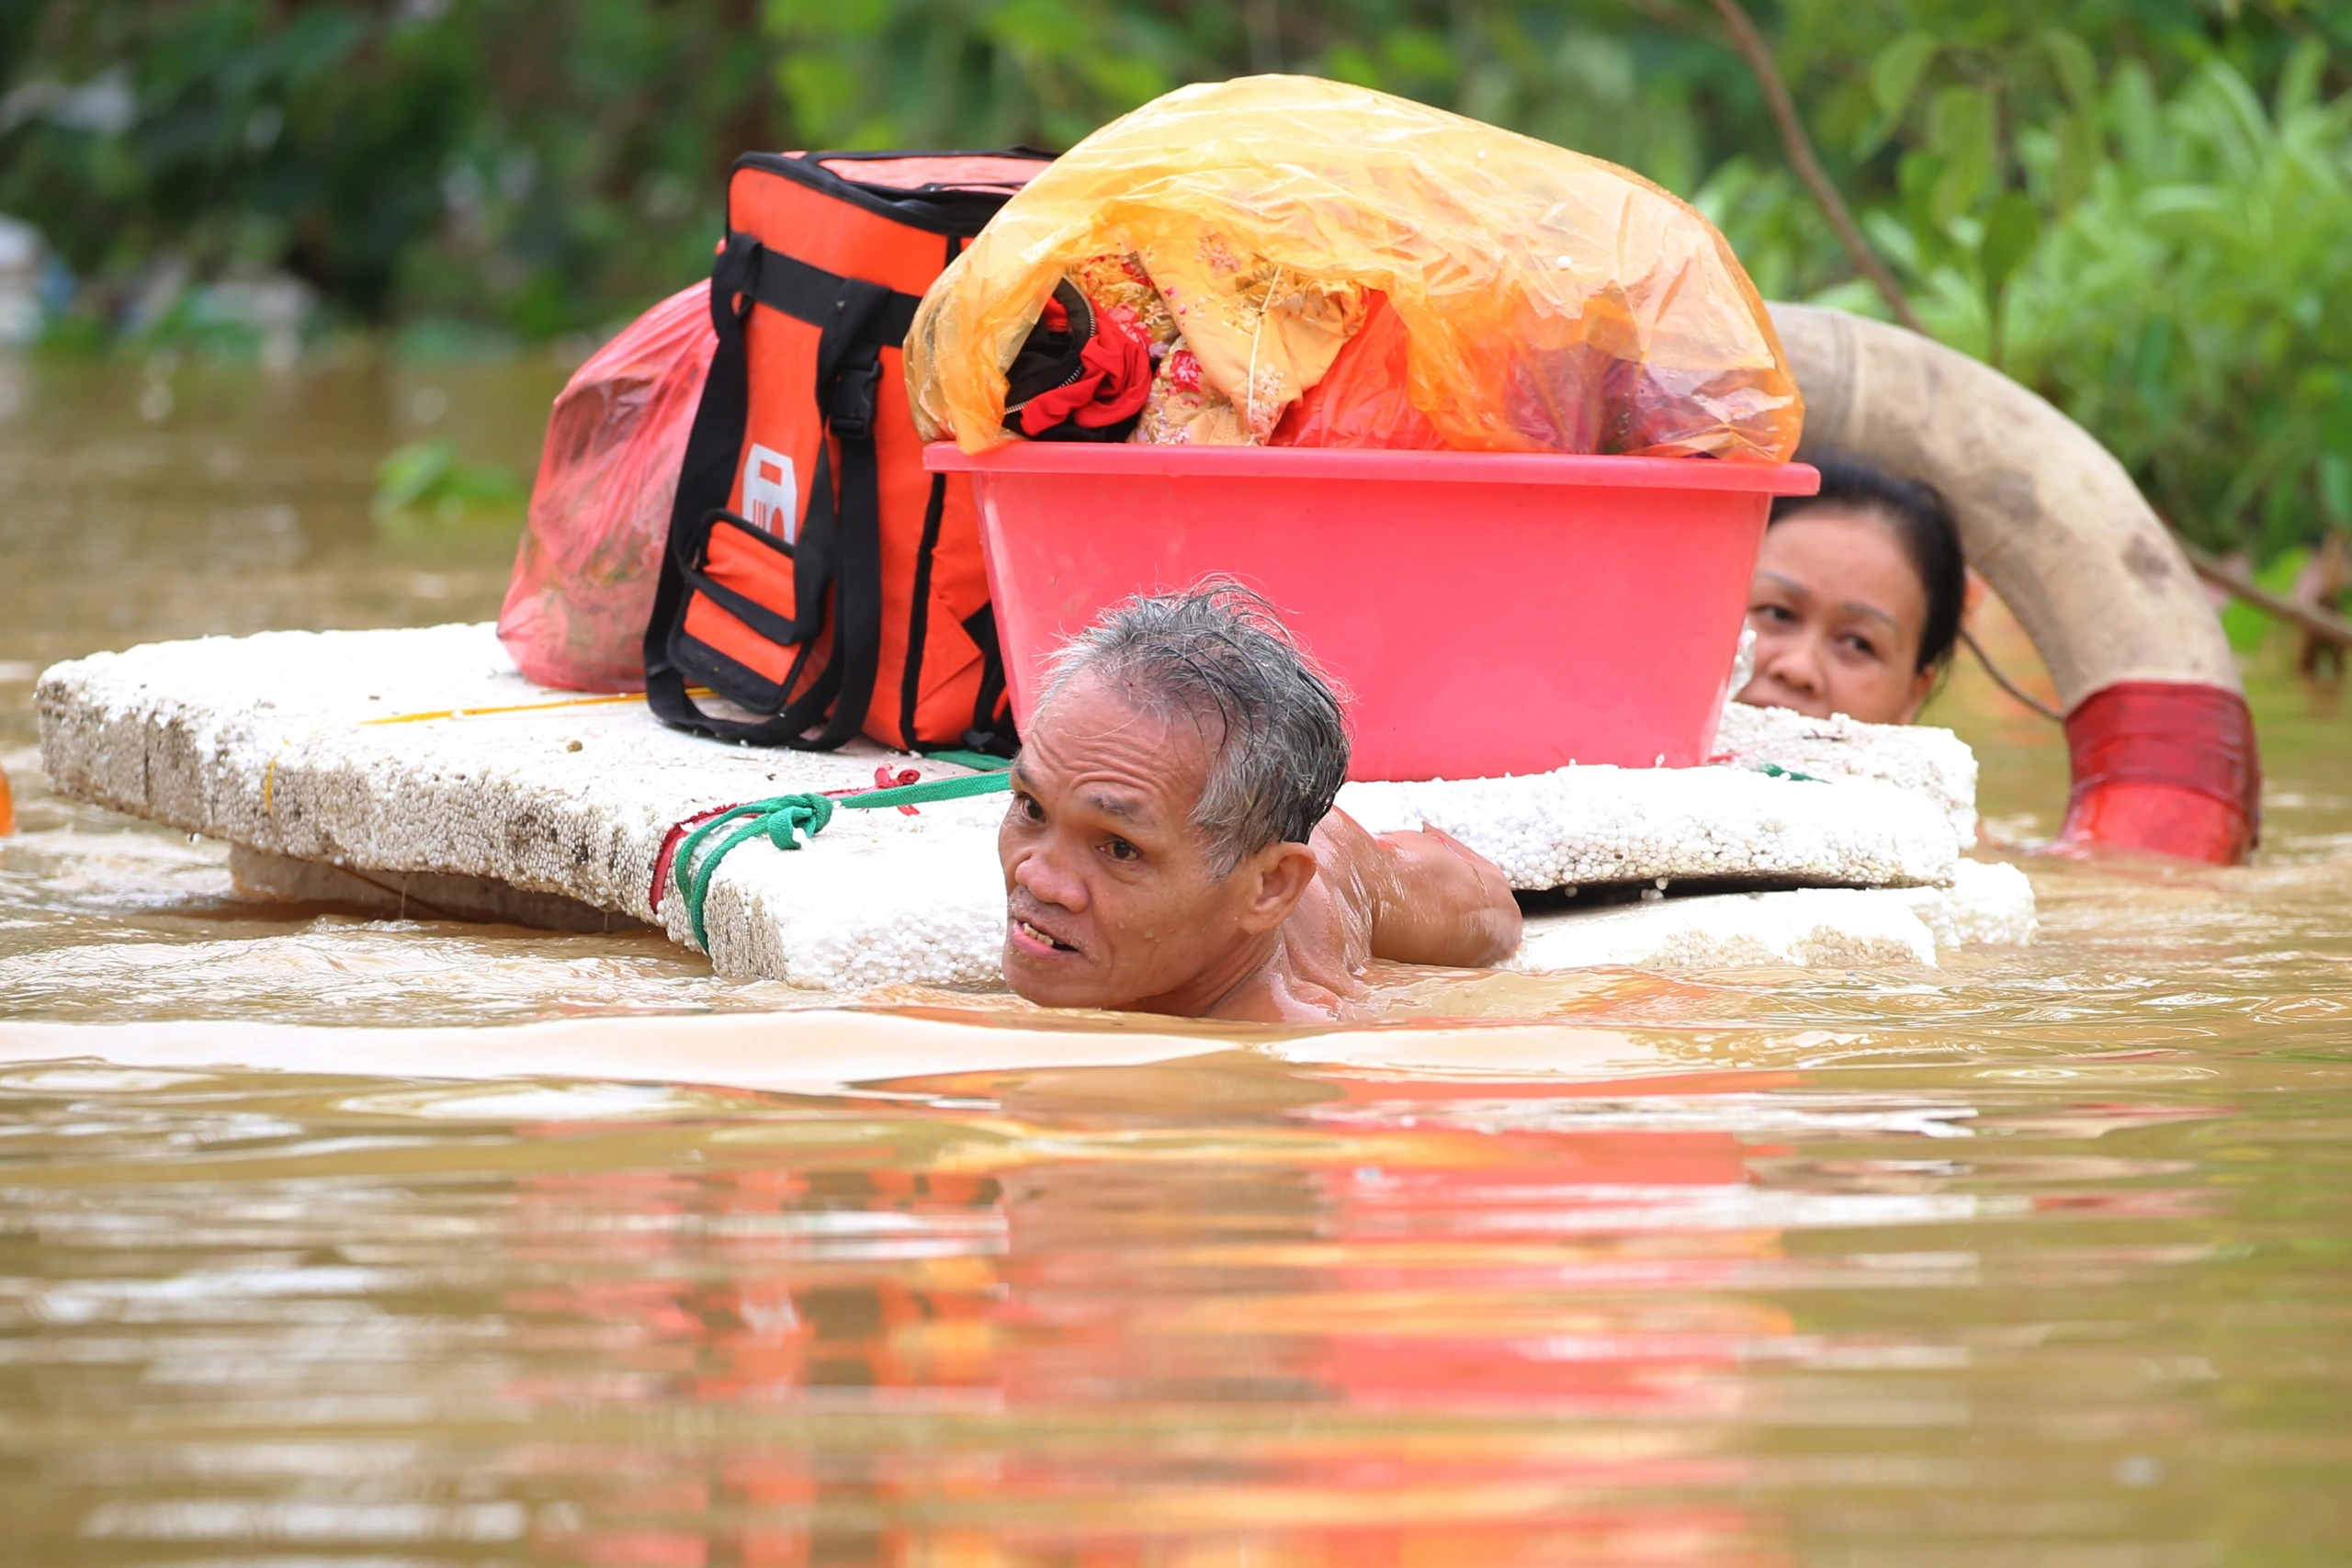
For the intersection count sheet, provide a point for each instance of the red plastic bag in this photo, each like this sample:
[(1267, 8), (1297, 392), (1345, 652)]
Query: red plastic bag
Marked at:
[(1360, 401), (584, 579)]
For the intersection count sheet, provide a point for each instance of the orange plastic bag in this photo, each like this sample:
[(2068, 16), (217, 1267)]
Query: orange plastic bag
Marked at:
[(583, 581), (1548, 301)]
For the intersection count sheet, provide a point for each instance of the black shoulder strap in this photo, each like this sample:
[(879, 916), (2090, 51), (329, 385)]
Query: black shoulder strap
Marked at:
[(838, 546), (704, 478)]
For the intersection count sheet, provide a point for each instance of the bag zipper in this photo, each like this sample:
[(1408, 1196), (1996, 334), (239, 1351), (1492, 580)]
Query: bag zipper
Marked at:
[(1094, 329)]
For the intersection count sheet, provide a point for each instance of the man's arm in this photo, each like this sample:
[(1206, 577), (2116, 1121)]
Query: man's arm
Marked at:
[(1429, 898)]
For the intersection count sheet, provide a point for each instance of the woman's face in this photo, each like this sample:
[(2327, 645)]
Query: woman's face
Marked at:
[(1839, 612)]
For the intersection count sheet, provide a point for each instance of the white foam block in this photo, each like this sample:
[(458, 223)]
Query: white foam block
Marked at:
[(277, 742), (1804, 928), (1916, 758), (1990, 903), (1583, 825), (878, 899)]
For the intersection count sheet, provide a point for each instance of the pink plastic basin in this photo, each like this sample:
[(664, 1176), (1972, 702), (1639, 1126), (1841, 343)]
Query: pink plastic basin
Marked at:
[(1488, 613)]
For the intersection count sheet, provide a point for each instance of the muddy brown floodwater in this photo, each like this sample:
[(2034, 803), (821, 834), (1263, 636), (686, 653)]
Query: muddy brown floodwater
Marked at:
[(2043, 1257)]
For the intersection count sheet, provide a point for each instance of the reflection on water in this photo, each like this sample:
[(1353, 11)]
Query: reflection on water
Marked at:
[(2037, 1257), (1221, 1311)]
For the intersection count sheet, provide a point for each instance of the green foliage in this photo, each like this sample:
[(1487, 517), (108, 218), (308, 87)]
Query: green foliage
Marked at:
[(517, 161), (2148, 242), (994, 73), (425, 485), (543, 166), (2247, 627), (2191, 308), (1595, 75)]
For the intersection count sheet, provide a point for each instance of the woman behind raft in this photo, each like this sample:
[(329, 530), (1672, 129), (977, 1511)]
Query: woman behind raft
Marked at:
[(1856, 598)]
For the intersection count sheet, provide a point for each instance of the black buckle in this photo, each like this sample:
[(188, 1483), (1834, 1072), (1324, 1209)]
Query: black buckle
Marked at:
[(854, 398)]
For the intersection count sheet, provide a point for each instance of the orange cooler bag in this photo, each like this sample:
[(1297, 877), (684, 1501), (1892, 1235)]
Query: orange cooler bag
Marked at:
[(816, 576)]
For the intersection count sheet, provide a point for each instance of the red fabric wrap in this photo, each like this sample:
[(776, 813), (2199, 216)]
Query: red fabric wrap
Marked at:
[(1116, 380), (2167, 767), (1360, 401)]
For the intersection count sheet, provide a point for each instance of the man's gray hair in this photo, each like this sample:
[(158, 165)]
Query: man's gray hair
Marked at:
[(1219, 651)]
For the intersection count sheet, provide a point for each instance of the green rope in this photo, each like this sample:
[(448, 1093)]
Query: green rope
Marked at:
[(982, 761), (791, 821), (1774, 770)]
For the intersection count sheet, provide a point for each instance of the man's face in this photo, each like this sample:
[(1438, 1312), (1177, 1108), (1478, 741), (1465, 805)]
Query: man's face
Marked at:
[(1111, 899)]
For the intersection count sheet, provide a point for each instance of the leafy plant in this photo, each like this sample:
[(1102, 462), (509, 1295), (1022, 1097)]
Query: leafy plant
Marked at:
[(2168, 270), (2191, 307), (428, 482), (544, 166), (2118, 216)]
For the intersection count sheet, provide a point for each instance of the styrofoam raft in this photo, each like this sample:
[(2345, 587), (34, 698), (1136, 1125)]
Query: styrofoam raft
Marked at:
[(280, 742), (1804, 927), (1584, 826), (1915, 758)]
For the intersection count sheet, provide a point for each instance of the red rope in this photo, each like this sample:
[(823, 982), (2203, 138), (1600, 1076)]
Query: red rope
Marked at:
[(670, 845)]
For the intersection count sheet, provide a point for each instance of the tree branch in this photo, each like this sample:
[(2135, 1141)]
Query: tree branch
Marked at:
[(2306, 618), (1798, 148)]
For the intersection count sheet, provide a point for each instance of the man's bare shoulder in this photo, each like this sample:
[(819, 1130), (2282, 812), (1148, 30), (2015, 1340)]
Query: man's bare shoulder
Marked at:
[(1328, 939), (1427, 896)]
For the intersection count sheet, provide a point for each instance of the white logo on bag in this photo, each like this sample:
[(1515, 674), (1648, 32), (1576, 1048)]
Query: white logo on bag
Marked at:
[(771, 496)]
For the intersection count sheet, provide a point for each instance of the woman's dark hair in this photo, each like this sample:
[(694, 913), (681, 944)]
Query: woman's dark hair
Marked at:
[(1921, 524)]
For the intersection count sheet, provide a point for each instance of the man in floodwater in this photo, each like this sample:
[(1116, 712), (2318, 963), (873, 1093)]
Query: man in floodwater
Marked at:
[(1172, 846)]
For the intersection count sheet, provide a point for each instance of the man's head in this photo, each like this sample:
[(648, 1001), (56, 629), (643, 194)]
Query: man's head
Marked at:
[(1171, 778)]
